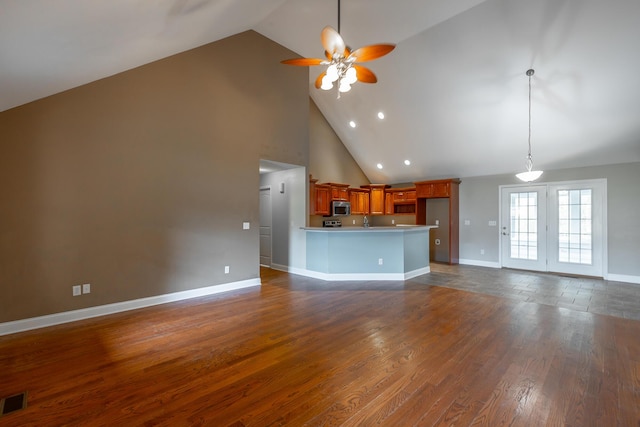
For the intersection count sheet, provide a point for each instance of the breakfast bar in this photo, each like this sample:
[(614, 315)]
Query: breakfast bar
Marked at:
[(367, 253)]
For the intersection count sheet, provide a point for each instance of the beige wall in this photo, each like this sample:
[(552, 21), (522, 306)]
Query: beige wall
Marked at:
[(139, 183), (329, 159)]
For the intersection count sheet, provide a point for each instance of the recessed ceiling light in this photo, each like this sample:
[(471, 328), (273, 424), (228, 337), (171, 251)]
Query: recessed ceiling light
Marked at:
[(407, 162), (352, 124), (381, 115), (379, 165)]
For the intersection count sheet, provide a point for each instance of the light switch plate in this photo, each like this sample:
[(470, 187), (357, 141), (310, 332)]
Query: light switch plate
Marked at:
[(245, 225), (492, 223), (86, 288)]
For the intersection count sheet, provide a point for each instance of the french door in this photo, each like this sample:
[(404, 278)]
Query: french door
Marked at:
[(557, 227), (523, 227)]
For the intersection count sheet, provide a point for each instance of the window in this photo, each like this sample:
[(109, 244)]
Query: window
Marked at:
[(524, 225), (575, 226)]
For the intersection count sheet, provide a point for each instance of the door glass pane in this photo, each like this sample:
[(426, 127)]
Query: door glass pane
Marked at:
[(575, 226), (524, 226)]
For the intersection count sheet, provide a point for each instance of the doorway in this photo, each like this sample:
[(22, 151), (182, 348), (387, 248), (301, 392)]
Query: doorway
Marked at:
[(265, 227), (555, 227)]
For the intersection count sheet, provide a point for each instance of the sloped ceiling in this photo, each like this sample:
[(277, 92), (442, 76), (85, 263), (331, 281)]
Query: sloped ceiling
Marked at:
[(454, 91)]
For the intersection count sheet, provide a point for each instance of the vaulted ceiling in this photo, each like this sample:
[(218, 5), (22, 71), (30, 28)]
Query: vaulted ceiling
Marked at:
[(454, 91)]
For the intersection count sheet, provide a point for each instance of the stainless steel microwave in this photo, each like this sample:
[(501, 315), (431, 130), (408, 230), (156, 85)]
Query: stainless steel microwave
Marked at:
[(340, 208)]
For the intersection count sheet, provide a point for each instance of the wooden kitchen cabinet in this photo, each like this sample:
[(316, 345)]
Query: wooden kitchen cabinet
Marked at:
[(338, 191), (359, 198), (376, 198), (320, 198), (388, 203), (403, 201), (433, 189), (440, 189), (323, 199)]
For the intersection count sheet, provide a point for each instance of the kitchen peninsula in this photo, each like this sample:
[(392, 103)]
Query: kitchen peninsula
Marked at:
[(367, 253)]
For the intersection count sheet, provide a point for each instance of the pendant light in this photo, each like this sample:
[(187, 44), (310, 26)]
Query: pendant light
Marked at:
[(529, 175)]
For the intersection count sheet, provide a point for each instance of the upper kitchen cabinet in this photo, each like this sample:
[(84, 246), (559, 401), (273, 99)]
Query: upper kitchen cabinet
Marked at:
[(338, 191), (359, 198), (376, 198), (436, 189), (402, 200), (320, 198)]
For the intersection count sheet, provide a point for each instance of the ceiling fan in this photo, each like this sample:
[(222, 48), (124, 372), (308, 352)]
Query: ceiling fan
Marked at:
[(342, 61)]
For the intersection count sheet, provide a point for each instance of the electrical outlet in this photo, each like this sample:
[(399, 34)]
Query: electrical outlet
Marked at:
[(379, 261), (393, 221), (481, 251), (86, 288), (226, 269), (76, 290), (437, 222), (354, 222), (492, 223), (467, 222)]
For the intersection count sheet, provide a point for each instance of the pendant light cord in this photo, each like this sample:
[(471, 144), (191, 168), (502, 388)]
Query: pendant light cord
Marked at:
[(529, 73), (338, 16)]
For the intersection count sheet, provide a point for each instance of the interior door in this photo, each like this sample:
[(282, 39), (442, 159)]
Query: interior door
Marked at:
[(265, 227), (523, 227)]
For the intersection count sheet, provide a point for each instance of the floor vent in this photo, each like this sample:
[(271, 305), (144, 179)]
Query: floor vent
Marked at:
[(13, 403)]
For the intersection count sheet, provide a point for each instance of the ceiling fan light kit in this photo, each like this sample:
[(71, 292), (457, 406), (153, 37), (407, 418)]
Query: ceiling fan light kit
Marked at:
[(341, 61), (529, 175)]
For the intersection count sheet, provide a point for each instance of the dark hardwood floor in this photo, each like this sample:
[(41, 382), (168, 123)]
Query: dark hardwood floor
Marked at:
[(299, 351)]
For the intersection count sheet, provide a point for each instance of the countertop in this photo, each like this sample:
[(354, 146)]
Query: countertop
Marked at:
[(394, 228)]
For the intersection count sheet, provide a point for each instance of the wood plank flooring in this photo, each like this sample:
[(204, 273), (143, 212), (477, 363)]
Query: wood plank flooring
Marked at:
[(299, 351)]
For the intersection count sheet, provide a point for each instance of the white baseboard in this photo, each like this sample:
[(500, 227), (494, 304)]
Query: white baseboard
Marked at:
[(623, 278), (280, 267), (102, 310), (478, 263)]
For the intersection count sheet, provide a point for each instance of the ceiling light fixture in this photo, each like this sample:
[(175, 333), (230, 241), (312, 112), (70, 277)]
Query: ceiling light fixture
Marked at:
[(341, 61), (379, 165), (381, 115), (407, 162), (529, 175), (352, 124)]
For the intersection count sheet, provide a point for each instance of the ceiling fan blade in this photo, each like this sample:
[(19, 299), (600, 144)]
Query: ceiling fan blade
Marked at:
[(332, 42), (304, 62), (364, 74), (369, 53), (319, 79)]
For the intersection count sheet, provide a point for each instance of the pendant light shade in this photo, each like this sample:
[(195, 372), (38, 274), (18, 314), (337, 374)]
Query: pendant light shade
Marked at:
[(529, 175)]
